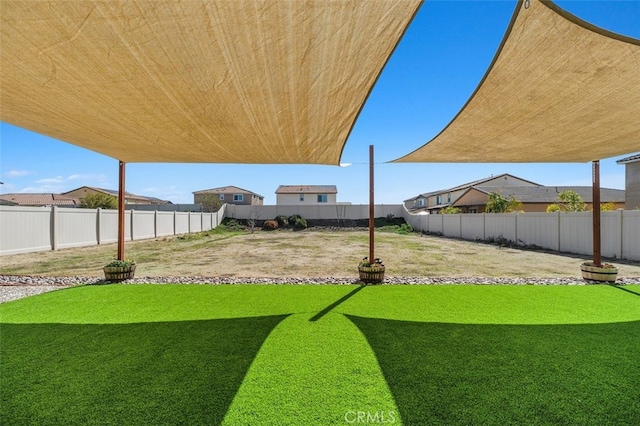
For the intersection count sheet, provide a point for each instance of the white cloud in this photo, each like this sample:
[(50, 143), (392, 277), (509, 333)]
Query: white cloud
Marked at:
[(57, 179), (16, 173)]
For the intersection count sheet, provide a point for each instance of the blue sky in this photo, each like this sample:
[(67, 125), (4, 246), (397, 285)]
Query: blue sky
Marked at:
[(432, 73)]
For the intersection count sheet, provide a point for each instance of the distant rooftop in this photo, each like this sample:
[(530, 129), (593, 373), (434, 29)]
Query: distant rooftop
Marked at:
[(307, 189), (39, 199)]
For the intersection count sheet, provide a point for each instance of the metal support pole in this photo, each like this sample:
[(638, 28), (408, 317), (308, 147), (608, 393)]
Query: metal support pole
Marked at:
[(371, 205), (597, 258), (121, 199)]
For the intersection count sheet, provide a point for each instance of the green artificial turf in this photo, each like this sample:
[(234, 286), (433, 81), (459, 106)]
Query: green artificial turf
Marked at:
[(317, 355)]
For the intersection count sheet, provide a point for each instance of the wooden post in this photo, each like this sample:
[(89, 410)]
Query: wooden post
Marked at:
[(371, 206), (597, 258), (121, 198)]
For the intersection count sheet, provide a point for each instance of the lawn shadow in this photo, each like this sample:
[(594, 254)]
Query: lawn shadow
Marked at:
[(335, 304), (183, 372), (453, 374), (624, 289)]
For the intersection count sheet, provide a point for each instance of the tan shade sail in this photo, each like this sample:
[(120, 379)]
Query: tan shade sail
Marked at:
[(559, 90), (226, 81)]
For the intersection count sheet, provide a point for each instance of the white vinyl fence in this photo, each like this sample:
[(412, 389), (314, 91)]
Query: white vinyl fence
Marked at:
[(29, 229), (564, 232), (319, 211)]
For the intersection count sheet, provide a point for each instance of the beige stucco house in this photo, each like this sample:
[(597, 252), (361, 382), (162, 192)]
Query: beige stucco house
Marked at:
[(230, 195), (632, 181), (129, 198), (306, 194), (534, 198), (433, 202)]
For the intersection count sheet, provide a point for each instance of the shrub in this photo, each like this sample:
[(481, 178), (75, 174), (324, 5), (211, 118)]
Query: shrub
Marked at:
[(292, 219), (282, 220), (270, 225), (300, 223)]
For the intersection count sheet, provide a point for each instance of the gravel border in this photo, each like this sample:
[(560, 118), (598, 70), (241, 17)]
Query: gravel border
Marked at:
[(17, 287)]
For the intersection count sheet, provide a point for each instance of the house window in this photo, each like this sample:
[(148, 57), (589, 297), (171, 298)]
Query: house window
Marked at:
[(439, 199), (301, 197), (222, 196), (448, 198), (421, 202), (322, 198), (238, 197)]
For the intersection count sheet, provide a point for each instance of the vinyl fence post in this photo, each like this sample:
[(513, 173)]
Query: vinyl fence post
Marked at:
[(54, 228), (98, 225), (132, 227)]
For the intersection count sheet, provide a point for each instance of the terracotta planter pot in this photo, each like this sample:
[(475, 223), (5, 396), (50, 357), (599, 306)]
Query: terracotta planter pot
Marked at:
[(597, 273), (371, 275), (119, 273)]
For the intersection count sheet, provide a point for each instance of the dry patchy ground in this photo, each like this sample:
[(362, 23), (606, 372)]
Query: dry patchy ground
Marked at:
[(309, 253)]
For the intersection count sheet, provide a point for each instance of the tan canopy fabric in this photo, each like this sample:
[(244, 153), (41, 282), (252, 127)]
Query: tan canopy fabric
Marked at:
[(559, 90), (226, 81)]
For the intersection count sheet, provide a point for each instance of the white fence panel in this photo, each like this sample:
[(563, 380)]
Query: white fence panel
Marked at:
[(501, 225), (610, 238), (75, 227), (195, 222), (576, 233), (181, 223), (631, 235), (435, 223), (473, 226), (25, 229), (109, 226), (451, 225), (541, 229), (164, 224), (143, 226)]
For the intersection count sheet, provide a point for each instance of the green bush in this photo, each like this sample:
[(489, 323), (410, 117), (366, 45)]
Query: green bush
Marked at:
[(282, 220), (300, 223), (292, 219), (270, 225)]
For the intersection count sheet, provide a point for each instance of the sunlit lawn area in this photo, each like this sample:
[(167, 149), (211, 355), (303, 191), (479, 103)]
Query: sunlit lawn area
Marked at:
[(318, 355)]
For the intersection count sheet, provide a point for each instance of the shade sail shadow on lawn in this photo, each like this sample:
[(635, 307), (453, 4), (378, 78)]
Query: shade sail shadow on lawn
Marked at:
[(182, 372), (335, 304), (441, 373)]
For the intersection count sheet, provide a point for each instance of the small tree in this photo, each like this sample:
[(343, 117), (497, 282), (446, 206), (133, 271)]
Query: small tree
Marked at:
[(99, 200), (450, 210), (210, 202), (570, 201), (497, 203)]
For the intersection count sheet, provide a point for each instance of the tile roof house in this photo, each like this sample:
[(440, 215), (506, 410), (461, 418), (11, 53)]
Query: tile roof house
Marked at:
[(306, 194), (534, 198), (130, 198), (37, 200), (230, 195), (631, 181), (434, 202)]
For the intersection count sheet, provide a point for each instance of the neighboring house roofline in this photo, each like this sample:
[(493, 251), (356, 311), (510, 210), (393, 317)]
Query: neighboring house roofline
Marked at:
[(627, 160), (226, 189), (467, 185), (546, 194), (307, 189)]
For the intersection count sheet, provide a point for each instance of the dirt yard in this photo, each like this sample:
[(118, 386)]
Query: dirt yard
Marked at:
[(309, 253)]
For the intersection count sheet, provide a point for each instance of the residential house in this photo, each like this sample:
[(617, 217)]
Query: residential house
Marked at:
[(434, 202), (129, 198), (534, 198), (38, 200), (306, 194), (230, 195), (632, 181)]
